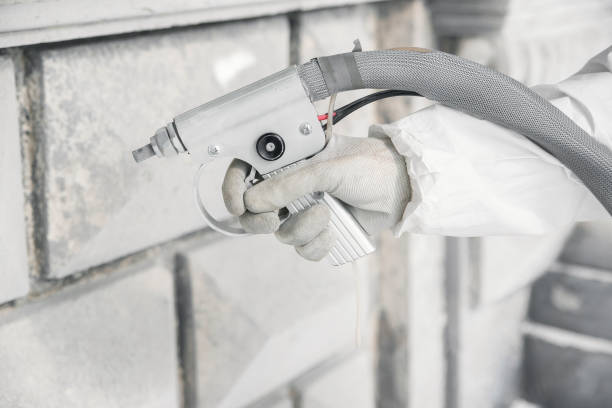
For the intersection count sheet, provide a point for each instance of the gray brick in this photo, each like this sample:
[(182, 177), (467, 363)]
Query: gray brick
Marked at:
[(13, 254), (106, 343), (566, 377), (590, 244), (573, 303), (348, 384), (263, 316), (104, 98)]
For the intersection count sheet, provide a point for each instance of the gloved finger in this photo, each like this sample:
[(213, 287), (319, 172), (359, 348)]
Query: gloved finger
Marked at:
[(233, 187), (316, 249), (304, 226), (279, 191), (263, 223)]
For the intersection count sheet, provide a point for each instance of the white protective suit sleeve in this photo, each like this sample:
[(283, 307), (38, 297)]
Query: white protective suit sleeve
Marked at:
[(471, 177)]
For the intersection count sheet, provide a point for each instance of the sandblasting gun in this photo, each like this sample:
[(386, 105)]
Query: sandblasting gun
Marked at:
[(273, 125)]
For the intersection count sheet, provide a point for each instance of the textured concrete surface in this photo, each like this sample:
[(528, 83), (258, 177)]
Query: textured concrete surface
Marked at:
[(262, 315), (332, 31), (566, 377), (106, 343), (13, 254), (573, 303), (347, 384), (103, 99), (590, 244)]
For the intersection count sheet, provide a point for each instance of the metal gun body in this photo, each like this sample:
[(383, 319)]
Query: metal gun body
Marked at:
[(270, 124)]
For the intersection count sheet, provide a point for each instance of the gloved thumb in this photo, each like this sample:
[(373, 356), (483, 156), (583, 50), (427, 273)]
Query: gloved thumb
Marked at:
[(277, 192)]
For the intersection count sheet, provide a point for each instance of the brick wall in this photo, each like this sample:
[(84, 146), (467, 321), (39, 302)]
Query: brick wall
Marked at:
[(113, 292)]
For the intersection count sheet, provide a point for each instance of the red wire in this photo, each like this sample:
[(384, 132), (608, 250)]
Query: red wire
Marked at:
[(324, 117)]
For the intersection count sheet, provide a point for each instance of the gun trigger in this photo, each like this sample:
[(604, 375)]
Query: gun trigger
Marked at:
[(252, 178)]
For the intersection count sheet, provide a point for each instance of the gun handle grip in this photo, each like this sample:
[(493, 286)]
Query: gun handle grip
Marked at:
[(352, 242)]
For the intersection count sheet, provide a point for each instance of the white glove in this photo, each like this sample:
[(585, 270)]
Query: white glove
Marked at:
[(368, 175)]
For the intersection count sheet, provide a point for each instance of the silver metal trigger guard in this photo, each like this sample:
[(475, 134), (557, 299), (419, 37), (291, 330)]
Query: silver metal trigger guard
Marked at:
[(212, 222)]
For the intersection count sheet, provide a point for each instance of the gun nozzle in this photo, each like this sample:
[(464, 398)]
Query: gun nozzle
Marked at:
[(143, 153)]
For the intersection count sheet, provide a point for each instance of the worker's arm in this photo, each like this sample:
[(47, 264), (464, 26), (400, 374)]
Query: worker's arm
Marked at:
[(445, 173), (471, 177)]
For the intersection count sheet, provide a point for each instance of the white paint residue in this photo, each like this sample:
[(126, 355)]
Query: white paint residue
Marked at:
[(228, 68)]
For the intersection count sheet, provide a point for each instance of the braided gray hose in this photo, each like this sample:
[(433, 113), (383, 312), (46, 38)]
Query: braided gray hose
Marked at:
[(473, 89)]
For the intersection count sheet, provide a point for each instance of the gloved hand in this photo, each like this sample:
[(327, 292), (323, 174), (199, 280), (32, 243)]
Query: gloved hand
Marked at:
[(368, 175)]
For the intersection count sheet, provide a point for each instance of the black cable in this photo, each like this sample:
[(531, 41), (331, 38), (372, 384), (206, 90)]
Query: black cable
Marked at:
[(346, 110)]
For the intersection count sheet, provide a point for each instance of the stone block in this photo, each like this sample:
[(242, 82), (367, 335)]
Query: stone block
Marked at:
[(563, 376), (109, 342), (332, 31), (590, 244), (104, 98), (347, 384), (573, 303), (262, 316), (13, 253)]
